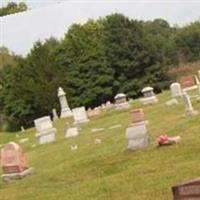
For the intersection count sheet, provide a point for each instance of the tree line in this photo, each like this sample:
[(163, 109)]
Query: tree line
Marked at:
[(93, 62), (12, 8)]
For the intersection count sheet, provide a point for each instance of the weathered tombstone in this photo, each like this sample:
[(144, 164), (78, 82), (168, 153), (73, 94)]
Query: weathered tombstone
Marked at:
[(45, 130), (55, 115), (187, 81), (80, 115), (136, 133), (121, 102), (22, 129), (93, 113), (176, 90), (137, 115), (13, 162), (109, 105), (189, 110), (187, 191), (65, 110), (71, 132), (148, 96)]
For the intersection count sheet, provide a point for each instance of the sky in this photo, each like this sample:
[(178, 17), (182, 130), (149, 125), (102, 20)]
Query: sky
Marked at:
[(47, 18)]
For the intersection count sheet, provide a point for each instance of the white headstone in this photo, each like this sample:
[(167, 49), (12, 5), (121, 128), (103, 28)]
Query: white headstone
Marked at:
[(189, 110), (65, 110), (149, 96), (176, 90), (55, 115), (45, 130), (71, 132), (121, 102), (80, 115)]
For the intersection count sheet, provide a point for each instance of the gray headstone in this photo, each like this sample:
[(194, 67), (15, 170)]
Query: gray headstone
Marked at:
[(45, 130), (137, 136)]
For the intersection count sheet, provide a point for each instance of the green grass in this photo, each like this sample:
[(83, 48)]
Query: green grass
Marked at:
[(108, 170)]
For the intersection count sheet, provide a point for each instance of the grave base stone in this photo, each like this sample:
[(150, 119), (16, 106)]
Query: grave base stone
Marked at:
[(187, 191), (46, 137), (149, 100), (71, 132), (15, 176)]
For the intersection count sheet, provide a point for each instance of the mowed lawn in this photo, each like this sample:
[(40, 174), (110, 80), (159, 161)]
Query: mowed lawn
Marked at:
[(108, 171)]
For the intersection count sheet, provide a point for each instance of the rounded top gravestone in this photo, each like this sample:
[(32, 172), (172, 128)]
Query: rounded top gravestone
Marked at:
[(176, 90), (12, 158)]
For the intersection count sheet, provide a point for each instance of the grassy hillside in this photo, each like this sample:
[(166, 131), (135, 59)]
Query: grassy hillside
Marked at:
[(107, 170)]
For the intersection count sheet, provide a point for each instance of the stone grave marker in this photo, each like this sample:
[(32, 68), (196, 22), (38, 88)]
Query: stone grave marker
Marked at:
[(136, 133), (65, 110), (93, 112), (189, 110), (45, 130), (176, 90), (148, 96), (80, 115), (13, 162), (137, 115), (55, 115), (187, 191), (71, 132), (188, 82), (121, 102)]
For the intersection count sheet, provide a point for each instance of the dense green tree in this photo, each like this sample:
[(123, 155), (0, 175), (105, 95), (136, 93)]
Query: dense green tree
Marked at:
[(89, 78), (187, 42), (12, 8), (32, 86), (93, 62)]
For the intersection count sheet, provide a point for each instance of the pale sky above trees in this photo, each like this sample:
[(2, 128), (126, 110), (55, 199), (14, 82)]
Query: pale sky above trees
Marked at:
[(48, 18)]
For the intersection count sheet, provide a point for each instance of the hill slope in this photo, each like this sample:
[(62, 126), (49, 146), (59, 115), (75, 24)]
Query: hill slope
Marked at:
[(107, 170)]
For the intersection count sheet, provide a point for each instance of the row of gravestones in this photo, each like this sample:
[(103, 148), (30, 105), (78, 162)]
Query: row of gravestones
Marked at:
[(15, 166), (178, 92)]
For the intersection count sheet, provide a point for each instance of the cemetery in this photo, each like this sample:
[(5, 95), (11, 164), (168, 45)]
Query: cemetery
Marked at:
[(87, 158), (99, 100)]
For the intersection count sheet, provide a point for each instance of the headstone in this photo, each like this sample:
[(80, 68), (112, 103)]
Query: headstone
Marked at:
[(109, 105), (93, 113), (187, 81), (148, 96), (65, 110), (45, 130), (22, 129), (189, 111), (187, 191), (172, 102), (137, 137), (121, 102), (137, 115), (80, 115), (55, 115), (71, 132), (136, 134), (13, 162), (176, 90)]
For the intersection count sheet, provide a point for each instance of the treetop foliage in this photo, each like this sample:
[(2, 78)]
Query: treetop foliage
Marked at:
[(93, 62)]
